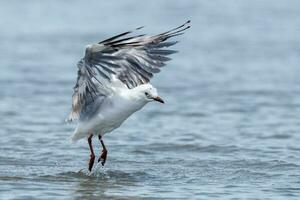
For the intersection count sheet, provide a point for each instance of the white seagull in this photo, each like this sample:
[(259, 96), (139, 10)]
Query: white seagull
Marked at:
[(113, 82)]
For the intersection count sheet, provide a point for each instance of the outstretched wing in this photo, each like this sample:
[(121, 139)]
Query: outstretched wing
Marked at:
[(133, 60)]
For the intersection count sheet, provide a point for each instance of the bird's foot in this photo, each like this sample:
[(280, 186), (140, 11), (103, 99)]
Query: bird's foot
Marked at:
[(103, 157), (91, 163)]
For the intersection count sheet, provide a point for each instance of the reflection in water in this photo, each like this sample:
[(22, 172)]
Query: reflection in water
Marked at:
[(102, 183)]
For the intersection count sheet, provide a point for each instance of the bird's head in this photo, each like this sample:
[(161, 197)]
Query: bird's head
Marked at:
[(148, 93)]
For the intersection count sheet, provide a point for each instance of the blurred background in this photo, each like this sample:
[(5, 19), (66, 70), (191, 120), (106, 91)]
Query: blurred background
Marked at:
[(229, 128)]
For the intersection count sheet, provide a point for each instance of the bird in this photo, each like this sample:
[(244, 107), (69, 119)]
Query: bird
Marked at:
[(113, 82)]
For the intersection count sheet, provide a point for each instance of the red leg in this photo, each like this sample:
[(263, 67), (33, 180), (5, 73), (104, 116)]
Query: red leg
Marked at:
[(92, 159), (103, 156)]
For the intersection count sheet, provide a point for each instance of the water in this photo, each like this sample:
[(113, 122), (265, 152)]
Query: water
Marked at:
[(229, 128)]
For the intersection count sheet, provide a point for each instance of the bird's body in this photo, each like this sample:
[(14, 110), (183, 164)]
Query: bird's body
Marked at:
[(109, 112), (113, 82)]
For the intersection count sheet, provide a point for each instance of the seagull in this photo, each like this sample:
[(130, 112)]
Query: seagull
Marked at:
[(113, 82)]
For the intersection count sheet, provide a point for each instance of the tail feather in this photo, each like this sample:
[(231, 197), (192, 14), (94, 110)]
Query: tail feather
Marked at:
[(77, 135)]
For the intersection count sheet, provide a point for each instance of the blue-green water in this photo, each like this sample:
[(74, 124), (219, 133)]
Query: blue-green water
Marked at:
[(230, 126)]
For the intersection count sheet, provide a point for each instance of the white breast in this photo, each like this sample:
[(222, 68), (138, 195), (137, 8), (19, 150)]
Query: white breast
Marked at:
[(113, 115), (116, 110)]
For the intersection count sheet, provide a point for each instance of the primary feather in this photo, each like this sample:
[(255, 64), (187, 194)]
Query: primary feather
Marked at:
[(132, 60)]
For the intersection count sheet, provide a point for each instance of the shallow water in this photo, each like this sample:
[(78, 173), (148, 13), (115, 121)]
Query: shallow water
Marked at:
[(229, 128)]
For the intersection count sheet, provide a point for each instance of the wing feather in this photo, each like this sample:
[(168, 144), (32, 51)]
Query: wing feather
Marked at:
[(131, 59)]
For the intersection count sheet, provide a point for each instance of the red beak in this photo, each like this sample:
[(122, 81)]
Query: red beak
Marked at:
[(158, 99)]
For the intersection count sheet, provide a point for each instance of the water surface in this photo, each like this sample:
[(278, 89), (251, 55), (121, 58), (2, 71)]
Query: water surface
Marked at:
[(229, 128)]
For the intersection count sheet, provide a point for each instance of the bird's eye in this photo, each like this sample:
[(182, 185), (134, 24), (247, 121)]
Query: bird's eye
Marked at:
[(146, 93)]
